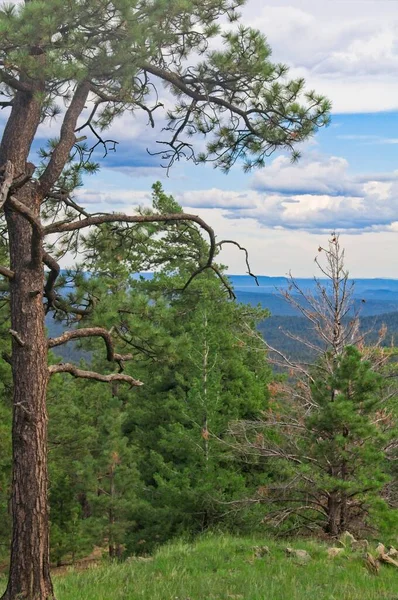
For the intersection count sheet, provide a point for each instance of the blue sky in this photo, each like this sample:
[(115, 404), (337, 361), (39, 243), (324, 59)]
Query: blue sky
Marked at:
[(347, 178)]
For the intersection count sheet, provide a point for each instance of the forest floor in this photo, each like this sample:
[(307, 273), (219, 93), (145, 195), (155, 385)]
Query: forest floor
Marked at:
[(231, 568)]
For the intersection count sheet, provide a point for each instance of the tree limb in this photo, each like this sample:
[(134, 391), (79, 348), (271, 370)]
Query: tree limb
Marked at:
[(6, 179), (80, 373), (63, 226), (7, 272), (60, 154), (87, 332), (37, 228), (249, 271), (17, 337), (15, 83), (55, 269), (27, 213)]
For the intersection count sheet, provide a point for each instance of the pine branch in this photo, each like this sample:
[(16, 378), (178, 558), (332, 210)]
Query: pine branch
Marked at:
[(88, 332), (80, 373), (249, 271), (6, 272), (13, 82), (60, 154), (64, 226)]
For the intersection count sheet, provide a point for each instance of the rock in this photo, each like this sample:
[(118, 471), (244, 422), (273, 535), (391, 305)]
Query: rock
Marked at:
[(302, 555), (261, 551), (385, 558), (360, 545), (332, 552), (347, 539), (372, 565), (381, 549)]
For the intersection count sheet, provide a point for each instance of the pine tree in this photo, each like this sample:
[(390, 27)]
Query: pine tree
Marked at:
[(203, 372), (329, 431), (102, 59)]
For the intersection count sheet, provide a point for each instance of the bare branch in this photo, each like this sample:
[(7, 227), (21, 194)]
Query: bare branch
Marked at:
[(80, 373), (88, 332), (249, 271), (55, 269), (17, 337), (27, 213), (6, 178), (13, 82), (7, 272), (37, 228)]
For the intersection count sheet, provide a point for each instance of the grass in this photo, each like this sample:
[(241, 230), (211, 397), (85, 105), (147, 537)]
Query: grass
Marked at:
[(225, 568)]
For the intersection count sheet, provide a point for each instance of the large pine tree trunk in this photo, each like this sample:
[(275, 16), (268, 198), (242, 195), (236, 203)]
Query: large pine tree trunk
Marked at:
[(29, 575)]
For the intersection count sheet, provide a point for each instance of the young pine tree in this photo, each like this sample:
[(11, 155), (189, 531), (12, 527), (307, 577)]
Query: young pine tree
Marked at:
[(329, 432)]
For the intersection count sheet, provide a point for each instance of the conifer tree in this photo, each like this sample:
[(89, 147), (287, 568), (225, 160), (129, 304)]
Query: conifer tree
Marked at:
[(104, 58), (329, 431)]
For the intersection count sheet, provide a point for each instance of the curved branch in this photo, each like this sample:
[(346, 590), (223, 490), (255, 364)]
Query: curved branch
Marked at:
[(63, 226), (27, 213), (249, 272), (87, 332), (60, 304), (80, 373), (37, 228)]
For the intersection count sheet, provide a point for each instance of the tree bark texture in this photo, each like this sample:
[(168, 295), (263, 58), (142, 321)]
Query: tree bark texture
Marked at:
[(29, 575)]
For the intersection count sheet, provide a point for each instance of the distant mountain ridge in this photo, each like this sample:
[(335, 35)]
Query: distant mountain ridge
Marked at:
[(380, 296), (380, 306)]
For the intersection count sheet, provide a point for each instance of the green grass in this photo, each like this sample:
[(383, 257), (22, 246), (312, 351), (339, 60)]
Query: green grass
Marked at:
[(224, 568)]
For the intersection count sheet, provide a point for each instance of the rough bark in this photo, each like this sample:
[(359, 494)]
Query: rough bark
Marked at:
[(333, 514), (29, 575)]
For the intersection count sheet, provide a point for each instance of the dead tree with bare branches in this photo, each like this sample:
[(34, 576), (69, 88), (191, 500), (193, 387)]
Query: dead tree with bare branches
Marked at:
[(330, 429)]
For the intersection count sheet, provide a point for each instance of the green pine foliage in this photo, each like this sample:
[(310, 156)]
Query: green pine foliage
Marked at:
[(183, 413)]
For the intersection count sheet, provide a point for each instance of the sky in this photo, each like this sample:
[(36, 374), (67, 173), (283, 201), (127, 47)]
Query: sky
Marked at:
[(347, 178)]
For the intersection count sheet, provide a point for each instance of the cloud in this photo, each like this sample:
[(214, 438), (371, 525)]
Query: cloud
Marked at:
[(346, 50), (311, 176), (318, 195), (216, 198), (112, 199)]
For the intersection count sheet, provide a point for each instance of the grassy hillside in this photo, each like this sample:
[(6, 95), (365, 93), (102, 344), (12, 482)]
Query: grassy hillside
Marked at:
[(223, 568)]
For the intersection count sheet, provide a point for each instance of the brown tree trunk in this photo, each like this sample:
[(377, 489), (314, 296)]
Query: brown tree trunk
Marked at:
[(333, 513), (29, 576)]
